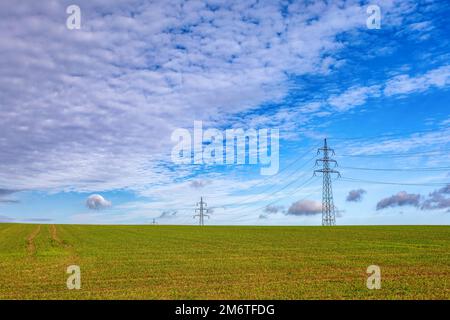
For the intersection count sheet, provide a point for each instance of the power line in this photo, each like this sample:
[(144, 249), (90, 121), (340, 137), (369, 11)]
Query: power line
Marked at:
[(404, 154), (306, 183), (328, 208), (245, 203), (396, 183), (255, 198), (273, 193), (386, 135), (398, 169), (262, 182)]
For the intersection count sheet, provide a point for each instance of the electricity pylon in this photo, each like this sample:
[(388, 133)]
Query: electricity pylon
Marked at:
[(202, 211), (328, 209)]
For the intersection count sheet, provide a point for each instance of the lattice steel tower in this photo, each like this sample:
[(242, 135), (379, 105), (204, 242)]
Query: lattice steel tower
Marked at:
[(202, 211), (328, 209)]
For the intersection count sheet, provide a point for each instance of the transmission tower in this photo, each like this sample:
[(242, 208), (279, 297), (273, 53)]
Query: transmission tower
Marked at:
[(328, 209), (201, 211)]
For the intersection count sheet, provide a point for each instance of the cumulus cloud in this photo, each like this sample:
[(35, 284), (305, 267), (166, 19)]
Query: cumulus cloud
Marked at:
[(339, 213), (270, 209), (305, 208), (273, 209), (168, 214), (399, 200), (355, 195), (438, 199), (197, 184), (97, 202)]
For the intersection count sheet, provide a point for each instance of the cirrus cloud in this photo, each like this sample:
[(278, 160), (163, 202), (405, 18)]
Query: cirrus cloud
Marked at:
[(97, 105)]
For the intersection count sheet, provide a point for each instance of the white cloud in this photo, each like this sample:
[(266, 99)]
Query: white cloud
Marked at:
[(399, 200), (97, 202), (353, 97), (397, 85), (404, 84), (93, 109), (305, 208), (403, 144)]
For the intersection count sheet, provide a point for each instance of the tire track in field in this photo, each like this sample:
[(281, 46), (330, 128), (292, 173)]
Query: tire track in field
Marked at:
[(73, 256), (53, 230), (31, 246), (54, 235)]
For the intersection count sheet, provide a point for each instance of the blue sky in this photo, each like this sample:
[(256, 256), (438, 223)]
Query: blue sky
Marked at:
[(91, 111)]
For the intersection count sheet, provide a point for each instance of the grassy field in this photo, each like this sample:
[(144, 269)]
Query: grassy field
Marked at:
[(187, 262)]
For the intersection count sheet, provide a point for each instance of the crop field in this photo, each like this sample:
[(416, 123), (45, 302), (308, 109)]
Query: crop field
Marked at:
[(223, 262)]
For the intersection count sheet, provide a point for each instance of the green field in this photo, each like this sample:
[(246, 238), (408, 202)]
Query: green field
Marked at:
[(188, 262)]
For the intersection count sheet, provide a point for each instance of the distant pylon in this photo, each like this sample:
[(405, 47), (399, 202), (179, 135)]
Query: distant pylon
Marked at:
[(328, 209), (202, 211), (154, 221)]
